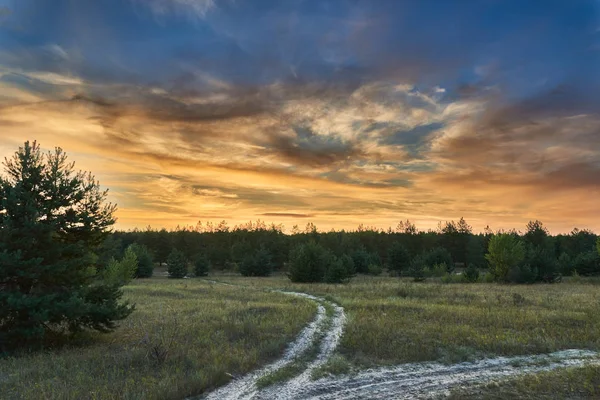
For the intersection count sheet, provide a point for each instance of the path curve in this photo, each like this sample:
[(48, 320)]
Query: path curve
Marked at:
[(434, 380), (331, 329), (329, 342), (405, 381)]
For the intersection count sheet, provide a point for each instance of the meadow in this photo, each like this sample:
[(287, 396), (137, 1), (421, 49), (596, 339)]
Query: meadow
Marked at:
[(185, 337), (392, 320)]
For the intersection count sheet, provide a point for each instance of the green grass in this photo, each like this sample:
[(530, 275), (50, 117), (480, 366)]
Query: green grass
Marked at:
[(392, 321), (184, 338), (336, 365), (567, 383), (189, 336), (281, 375)]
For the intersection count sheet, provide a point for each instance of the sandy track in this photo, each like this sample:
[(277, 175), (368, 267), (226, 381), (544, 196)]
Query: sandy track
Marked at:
[(324, 328), (406, 381), (433, 380), (329, 342), (245, 387)]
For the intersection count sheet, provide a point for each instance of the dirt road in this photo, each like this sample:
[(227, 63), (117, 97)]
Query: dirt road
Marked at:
[(406, 381)]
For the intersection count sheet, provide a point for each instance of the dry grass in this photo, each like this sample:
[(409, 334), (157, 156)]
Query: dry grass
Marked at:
[(184, 338), (189, 336), (393, 321)]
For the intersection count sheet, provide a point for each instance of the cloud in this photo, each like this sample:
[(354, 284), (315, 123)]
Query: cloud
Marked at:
[(310, 127), (305, 147), (51, 78), (193, 8), (325, 152), (290, 215), (365, 108)]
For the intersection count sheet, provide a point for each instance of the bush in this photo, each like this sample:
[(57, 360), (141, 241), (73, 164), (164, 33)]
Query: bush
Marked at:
[(505, 252), (177, 265), (487, 277), (471, 274), (398, 259), (417, 268), (587, 264), (348, 263), (340, 270), (240, 250), (542, 264), (145, 267), (522, 274), (375, 269), (476, 251), (439, 256), (437, 270), (121, 272), (565, 264), (453, 278), (308, 263), (257, 264), (201, 265), (374, 259), (362, 260), (435, 262), (111, 247), (311, 262)]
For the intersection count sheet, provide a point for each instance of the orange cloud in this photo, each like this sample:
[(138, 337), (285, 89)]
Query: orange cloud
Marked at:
[(318, 153)]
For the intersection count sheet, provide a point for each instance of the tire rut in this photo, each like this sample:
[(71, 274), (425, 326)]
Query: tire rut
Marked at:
[(406, 381), (326, 329), (331, 338), (433, 380)]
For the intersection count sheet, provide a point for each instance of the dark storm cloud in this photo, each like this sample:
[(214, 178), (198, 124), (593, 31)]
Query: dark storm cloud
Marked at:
[(308, 148)]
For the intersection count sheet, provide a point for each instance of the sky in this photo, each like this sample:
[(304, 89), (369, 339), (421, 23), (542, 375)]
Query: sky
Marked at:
[(335, 112)]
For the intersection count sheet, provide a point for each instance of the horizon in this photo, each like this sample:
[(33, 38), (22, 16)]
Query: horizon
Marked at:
[(308, 227), (338, 113)]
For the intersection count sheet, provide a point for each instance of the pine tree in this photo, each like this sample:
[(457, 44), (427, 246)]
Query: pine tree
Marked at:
[(505, 252), (340, 270), (398, 258), (201, 265), (309, 262), (123, 271), (476, 251), (145, 267), (257, 264), (51, 221), (361, 259), (177, 264)]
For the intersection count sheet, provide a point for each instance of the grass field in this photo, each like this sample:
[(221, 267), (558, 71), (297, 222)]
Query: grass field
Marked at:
[(185, 337), (188, 336), (393, 321)]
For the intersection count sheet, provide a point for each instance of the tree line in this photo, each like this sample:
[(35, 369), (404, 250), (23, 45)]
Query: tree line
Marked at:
[(257, 249)]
